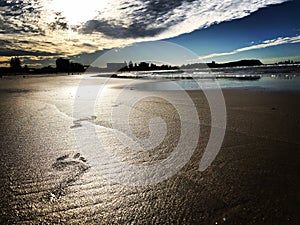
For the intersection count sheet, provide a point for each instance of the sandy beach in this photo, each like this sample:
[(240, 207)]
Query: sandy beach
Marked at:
[(45, 179)]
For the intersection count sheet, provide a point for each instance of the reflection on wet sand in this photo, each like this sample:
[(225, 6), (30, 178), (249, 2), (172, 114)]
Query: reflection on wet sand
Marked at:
[(46, 180)]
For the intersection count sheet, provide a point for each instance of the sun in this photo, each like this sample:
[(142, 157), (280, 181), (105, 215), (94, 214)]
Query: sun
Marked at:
[(77, 12)]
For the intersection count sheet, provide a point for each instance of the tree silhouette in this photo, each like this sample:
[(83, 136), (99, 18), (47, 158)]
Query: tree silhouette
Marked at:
[(15, 64), (130, 65)]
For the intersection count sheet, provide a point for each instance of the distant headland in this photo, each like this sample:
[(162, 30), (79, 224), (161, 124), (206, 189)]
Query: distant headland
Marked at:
[(213, 64)]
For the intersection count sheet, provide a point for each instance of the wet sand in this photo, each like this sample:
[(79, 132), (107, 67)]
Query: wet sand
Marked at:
[(45, 180)]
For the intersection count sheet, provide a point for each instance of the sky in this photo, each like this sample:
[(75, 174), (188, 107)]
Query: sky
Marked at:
[(39, 31)]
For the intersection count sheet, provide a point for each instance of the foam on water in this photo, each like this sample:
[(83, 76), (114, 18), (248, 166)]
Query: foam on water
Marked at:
[(224, 79)]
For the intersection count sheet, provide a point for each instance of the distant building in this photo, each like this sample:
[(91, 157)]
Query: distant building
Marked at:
[(76, 67)]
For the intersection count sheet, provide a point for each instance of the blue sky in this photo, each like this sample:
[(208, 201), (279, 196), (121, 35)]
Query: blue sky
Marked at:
[(39, 31), (265, 24)]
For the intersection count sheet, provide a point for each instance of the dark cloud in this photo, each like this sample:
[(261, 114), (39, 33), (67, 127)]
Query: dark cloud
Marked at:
[(13, 52), (87, 45), (19, 17), (132, 31), (158, 8), (4, 43), (59, 22), (7, 48), (144, 20)]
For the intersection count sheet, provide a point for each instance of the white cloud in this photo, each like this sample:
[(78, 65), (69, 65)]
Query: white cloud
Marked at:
[(75, 26), (265, 44)]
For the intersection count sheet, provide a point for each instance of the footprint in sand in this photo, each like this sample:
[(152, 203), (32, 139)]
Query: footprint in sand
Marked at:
[(76, 166), (77, 123)]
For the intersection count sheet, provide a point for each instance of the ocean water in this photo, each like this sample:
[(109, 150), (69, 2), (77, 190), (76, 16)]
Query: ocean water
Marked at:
[(275, 78), (265, 83)]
